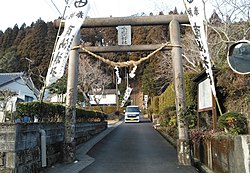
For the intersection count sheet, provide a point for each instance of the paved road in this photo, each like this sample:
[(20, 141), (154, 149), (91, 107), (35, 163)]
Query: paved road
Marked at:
[(135, 148)]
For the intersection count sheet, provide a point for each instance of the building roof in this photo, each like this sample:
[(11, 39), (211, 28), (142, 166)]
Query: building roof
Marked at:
[(110, 91), (106, 91), (203, 75), (6, 78)]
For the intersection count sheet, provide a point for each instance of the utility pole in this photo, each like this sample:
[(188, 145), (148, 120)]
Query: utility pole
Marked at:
[(183, 147), (70, 113)]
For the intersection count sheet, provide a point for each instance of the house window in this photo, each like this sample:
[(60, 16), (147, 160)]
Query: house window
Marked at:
[(28, 99)]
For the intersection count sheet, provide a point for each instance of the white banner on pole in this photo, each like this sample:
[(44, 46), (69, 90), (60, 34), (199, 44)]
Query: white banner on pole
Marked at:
[(78, 10), (196, 15), (126, 95)]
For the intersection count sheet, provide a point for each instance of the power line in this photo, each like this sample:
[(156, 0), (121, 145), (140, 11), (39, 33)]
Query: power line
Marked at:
[(95, 10), (54, 7)]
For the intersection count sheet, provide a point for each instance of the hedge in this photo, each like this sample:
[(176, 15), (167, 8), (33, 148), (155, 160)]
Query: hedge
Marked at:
[(167, 98), (52, 112), (107, 109), (233, 123)]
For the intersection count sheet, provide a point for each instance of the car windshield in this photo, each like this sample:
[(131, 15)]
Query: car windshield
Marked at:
[(132, 109)]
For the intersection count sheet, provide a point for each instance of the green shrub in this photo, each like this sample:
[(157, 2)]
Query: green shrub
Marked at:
[(191, 89), (155, 104), (168, 116), (166, 103), (173, 121), (191, 116), (51, 112), (107, 109), (41, 110), (167, 98), (233, 123), (150, 112)]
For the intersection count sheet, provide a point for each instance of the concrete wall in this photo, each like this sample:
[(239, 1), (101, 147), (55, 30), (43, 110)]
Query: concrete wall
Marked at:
[(20, 144), (224, 154)]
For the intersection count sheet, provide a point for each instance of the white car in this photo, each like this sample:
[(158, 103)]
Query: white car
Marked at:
[(132, 114)]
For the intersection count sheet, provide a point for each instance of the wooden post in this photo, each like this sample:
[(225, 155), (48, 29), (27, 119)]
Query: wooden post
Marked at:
[(183, 147), (214, 113), (70, 112)]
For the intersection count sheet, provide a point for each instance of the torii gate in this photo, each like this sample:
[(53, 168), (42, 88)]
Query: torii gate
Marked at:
[(174, 22)]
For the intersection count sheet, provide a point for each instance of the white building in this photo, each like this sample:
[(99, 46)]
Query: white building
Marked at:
[(108, 97), (57, 98), (22, 85)]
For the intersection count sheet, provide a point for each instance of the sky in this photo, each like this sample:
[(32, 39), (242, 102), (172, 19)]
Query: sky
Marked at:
[(28, 11)]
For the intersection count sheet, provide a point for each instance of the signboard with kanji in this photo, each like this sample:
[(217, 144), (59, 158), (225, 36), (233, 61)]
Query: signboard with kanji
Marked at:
[(124, 35), (205, 95)]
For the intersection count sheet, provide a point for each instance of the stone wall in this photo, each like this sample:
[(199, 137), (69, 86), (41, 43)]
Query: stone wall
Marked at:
[(218, 154), (224, 154), (85, 131), (7, 147), (20, 144)]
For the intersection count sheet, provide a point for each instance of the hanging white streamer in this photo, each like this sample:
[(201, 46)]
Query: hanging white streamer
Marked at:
[(117, 75), (132, 73)]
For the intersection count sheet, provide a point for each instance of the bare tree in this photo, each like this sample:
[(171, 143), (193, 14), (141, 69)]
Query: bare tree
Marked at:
[(5, 96), (228, 23), (232, 10), (91, 79), (190, 54)]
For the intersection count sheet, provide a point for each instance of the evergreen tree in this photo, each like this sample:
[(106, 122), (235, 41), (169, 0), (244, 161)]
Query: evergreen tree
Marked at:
[(9, 61), (148, 83), (6, 39), (19, 37)]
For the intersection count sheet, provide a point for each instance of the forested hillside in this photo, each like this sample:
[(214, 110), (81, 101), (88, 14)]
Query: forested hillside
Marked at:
[(29, 49)]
